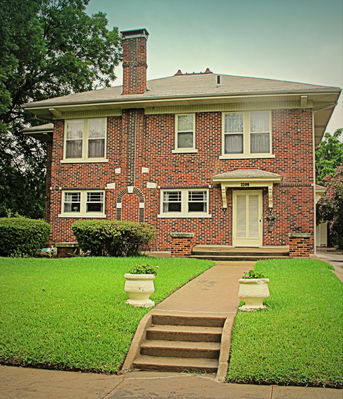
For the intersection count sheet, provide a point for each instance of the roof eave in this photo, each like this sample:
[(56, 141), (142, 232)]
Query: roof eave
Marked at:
[(213, 96), (275, 179)]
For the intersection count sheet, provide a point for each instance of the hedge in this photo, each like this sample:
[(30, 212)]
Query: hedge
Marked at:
[(21, 236), (112, 237)]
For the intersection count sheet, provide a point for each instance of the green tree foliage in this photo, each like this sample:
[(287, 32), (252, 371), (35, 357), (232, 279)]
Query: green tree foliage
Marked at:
[(329, 155), (330, 207), (48, 48)]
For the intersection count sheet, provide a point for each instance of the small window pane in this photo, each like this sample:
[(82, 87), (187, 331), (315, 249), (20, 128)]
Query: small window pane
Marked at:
[(185, 140), (72, 202), (96, 148), (95, 202), (97, 128), (259, 122), (233, 144), (197, 201), (72, 197), (94, 207), (74, 129), (234, 123), (185, 123), (95, 197), (74, 149), (260, 143), (172, 201), (172, 196)]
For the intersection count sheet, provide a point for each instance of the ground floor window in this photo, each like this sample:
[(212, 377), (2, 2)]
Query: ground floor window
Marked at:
[(83, 203), (184, 203)]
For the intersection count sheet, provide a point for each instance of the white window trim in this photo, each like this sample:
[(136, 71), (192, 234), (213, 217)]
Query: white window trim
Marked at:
[(177, 150), (246, 139), (184, 205), (85, 138), (83, 201)]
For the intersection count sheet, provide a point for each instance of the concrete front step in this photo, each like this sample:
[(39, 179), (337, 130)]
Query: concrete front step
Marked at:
[(229, 258), (241, 250), (161, 363), (226, 253), (184, 349), (239, 253), (195, 320), (184, 333)]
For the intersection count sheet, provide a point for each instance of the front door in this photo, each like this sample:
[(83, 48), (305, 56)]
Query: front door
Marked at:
[(247, 218)]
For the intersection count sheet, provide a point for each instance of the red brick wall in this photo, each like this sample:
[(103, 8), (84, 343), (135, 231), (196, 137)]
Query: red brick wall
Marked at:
[(130, 208), (154, 141)]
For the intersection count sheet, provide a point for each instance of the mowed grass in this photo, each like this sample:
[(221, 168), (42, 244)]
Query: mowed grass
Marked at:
[(71, 313), (298, 339)]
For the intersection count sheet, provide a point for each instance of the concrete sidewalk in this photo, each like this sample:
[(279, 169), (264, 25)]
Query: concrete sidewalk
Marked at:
[(335, 258), (25, 383)]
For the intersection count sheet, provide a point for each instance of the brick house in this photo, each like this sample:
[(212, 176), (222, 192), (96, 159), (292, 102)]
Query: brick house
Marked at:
[(229, 159)]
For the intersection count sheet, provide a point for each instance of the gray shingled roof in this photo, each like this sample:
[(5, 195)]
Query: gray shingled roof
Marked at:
[(247, 174), (190, 85)]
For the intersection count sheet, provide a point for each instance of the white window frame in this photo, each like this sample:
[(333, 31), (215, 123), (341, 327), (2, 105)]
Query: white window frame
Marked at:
[(83, 205), (177, 131), (246, 138), (184, 204), (85, 139)]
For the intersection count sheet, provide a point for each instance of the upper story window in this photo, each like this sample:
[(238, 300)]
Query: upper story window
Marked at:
[(184, 203), (83, 203), (185, 133), (247, 135), (85, 140)]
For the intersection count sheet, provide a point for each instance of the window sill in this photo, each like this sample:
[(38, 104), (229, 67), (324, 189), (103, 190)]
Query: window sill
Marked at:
[(184, 216), (246, 156), (185, 151), (83, 160), (78, 216)]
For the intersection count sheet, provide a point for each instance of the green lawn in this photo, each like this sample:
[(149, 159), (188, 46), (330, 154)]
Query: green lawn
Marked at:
[(71, 313), (298, 339)]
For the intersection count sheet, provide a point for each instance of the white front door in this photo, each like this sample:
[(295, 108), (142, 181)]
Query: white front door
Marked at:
[(247, 218)]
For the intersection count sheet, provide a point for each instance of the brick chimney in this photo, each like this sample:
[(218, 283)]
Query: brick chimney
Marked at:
[(134, 61)]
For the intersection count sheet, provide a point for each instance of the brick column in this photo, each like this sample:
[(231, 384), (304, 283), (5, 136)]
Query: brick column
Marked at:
[(182, 244), (299, 245)]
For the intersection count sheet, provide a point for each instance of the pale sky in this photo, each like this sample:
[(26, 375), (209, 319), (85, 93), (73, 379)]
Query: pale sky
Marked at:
[(295, 40)]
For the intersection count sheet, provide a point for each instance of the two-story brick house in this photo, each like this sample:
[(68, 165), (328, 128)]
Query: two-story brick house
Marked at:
[(228, 158)]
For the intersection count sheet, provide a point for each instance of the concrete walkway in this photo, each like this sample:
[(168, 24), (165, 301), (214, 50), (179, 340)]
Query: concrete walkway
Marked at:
[(214, 292)]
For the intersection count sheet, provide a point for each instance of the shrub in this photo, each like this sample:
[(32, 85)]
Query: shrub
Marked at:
[(112, 237), (21, 236), (251, 274), (144, 269)]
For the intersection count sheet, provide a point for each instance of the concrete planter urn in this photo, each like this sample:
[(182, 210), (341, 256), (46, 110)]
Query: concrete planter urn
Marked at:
[(253, 291), (139, 285)]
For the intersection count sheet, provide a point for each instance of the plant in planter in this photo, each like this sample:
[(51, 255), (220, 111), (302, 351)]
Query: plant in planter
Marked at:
[(139, 285), (253, 289)]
